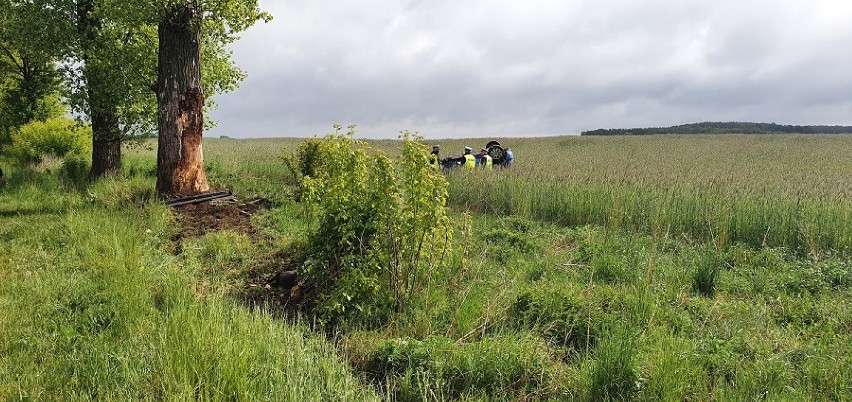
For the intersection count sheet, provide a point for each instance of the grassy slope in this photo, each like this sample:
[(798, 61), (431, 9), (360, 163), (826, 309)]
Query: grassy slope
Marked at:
[(94, 308)]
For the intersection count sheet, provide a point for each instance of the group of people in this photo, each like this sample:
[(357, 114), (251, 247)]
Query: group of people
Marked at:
[(469, 160)]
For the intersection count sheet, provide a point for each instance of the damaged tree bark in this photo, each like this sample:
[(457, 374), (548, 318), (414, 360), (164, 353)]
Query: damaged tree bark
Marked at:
[(180, 100)]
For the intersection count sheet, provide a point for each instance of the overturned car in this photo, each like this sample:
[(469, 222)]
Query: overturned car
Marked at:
[(493, 149)]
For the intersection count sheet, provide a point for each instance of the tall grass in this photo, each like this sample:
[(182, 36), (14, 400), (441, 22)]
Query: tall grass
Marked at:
[(714, 216), (94, 308)]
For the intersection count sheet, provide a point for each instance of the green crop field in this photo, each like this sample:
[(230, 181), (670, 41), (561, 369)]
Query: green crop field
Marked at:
[(605, 268)]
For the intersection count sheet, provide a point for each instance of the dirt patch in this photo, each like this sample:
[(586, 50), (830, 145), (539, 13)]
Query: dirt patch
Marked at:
[(195, 220), (273, 280)]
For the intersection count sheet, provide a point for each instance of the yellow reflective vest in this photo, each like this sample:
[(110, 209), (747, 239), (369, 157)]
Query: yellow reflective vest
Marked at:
[(487, 161), (469, 161)]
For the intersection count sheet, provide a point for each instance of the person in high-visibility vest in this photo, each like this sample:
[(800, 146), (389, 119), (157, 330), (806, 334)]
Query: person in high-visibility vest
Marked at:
[(485, 160), (469, 159), (434, 159)]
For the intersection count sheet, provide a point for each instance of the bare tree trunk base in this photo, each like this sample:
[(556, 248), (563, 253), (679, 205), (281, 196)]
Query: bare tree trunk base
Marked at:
[(106, 158), (180, 157), (188, 177)]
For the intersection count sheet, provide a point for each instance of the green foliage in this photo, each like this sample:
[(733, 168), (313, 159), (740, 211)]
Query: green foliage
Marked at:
[(493, 368), (305, 162), (706, 274), (382, 226), (309, 157), (29, 79), (561, 316), (21, 104), (60, 138), (613, 374), (95, 307)]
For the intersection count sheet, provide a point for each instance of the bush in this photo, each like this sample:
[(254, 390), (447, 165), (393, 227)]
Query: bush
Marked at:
[(304, 162), (55, 137), (381, 227), (75, 170)]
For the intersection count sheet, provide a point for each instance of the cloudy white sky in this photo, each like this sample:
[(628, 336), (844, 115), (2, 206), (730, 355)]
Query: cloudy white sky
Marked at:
[(538, 67)]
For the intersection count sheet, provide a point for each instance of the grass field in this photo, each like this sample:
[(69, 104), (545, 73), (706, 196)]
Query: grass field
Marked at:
[(774, 190), (95, 307), (607, 268)]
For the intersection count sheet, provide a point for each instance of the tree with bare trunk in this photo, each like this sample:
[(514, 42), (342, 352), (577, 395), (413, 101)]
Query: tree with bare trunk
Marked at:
[(180, 94), (180, 120)]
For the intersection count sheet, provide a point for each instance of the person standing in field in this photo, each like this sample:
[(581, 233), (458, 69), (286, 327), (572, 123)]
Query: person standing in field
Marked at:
[(485, 160), (508, 158), (469, 159), (434, 159)]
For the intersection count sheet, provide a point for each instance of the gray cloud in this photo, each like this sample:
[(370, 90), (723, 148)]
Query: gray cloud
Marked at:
[(481, 68)]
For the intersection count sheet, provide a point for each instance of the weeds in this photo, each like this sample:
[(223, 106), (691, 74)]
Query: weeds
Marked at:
[(706, 274), (685, 269)]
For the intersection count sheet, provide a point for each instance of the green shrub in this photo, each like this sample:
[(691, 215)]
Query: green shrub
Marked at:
[(75, 170), (57, 137), (381, 227), (304, 162)]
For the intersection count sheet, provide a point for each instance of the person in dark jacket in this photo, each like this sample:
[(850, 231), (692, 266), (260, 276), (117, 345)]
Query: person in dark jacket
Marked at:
[(434, 157)]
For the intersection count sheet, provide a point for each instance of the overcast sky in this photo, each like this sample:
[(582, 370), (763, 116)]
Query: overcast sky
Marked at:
[(538, 67)]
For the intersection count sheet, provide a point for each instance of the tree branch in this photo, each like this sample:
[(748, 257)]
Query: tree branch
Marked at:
[(11, 57)]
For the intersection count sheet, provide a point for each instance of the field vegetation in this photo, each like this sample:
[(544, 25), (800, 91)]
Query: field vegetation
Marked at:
[(607, 268)]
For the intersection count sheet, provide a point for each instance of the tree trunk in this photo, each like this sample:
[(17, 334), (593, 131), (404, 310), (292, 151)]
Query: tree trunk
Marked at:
[(180, 160), (106, 144), (106, 134)]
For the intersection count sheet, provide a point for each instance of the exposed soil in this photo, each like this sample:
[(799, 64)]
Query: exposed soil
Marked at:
[(272, 282), (195, 220)]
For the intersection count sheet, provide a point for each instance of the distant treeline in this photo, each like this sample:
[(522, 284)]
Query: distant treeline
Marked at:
[(725, 128)]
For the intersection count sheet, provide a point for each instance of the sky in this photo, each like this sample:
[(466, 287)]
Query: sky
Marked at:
[(496, 68)]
